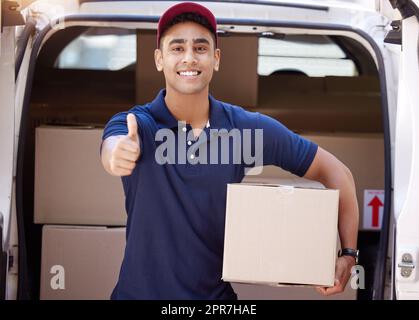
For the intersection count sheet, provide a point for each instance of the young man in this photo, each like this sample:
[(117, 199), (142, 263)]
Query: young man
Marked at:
[(176, 210)]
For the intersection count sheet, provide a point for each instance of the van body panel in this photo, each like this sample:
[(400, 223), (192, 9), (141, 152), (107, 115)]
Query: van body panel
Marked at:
[(406, 173)]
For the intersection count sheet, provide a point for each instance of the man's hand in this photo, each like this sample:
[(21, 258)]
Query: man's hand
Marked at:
[(125, 151), (344, 265)]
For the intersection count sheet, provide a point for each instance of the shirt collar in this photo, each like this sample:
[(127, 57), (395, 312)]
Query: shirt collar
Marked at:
[(218, 118)]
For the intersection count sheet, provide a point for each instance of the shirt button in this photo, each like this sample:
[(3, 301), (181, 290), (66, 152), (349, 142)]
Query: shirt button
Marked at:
[(189, 143), (184, 129), (192, 156)]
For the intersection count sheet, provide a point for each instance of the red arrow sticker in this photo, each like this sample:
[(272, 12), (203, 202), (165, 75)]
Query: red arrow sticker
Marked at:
[(373, 208)]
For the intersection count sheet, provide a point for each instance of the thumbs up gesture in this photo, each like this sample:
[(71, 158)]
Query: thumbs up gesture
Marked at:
[(126, 150), (132, 129)]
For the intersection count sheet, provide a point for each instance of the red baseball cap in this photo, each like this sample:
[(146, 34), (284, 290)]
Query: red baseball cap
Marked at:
[(185, 7)]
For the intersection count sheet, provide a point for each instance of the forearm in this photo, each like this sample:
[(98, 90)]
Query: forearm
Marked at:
[(348, 213), (341, 178), (333, 174)]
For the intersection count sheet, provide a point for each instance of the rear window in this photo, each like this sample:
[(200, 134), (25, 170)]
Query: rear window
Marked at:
[(100, 49), (314, 56)]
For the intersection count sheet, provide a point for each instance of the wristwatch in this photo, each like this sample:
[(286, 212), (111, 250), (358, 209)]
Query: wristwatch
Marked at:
[(349, 252)]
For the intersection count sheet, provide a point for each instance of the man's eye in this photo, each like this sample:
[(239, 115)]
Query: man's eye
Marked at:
[(201, 49), (177, 49)]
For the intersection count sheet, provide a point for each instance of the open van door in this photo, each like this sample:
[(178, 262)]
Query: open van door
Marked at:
[(11, 95), (406, 162), (7, 94)]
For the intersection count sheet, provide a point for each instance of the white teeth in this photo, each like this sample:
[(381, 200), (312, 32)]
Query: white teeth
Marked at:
[(189, 73)]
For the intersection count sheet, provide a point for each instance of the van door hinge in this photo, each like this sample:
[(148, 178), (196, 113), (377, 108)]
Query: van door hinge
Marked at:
[(394, 36), (406, 265), (10, 14)]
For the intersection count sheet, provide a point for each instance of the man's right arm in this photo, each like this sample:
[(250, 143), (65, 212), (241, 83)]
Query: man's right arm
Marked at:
[(120, 153)]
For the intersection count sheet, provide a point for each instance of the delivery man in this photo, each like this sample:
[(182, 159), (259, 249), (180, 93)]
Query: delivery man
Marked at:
[(176, 208)]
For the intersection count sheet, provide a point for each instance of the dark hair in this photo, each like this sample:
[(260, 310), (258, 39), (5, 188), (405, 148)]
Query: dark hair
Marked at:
[(189, 17)]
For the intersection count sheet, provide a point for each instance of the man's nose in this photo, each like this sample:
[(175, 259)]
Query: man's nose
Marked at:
[(189, 56)]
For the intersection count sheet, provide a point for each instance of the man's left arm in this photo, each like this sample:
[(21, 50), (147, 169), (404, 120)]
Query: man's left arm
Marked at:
[(333, 174)]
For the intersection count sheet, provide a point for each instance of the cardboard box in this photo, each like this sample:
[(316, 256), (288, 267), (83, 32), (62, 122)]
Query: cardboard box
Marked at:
[(71, 185), (236, 82), (362, 153), (332, 104), (280, 235), (80, 262)]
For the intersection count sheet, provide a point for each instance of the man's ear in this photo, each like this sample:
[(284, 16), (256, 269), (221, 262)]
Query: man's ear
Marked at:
[(217, 56), (158, 60)]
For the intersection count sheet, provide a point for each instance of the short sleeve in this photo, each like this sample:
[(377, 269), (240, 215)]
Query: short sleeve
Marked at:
[(117, 125), (284, 148)]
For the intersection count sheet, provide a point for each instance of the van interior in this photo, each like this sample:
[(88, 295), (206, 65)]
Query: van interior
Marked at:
[(79, 81)]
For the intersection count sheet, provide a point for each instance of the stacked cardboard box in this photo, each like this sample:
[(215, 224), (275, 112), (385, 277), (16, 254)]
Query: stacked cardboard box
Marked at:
[(71, 186), (80, 262), (77, 201)]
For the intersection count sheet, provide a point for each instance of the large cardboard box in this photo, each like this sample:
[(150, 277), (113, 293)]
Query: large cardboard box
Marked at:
[(71, 185), (247, 291), (362, 153), (277, 234), (80, 262)]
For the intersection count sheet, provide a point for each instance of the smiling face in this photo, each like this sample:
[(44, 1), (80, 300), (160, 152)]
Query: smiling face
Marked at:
[(187, 57)]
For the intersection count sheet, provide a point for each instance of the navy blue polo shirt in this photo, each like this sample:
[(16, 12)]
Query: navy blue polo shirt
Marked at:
[(176, 211)]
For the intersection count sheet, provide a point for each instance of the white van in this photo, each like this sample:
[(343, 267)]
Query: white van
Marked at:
[(344, 73)]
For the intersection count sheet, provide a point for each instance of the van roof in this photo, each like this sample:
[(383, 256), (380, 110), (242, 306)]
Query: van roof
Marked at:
[(157, 7)]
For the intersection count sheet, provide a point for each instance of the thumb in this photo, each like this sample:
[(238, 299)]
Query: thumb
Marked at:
[(132, 126)]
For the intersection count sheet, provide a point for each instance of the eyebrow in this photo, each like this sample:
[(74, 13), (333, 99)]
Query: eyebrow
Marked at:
[(177, 41), (201, 40), (198, 40)]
